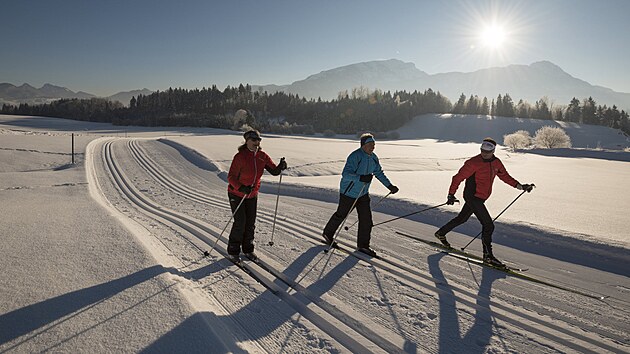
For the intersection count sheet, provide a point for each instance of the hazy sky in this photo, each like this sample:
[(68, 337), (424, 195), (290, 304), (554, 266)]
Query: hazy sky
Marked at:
[(103, 47)]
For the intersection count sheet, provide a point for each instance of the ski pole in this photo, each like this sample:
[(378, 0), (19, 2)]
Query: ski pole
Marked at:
[(380, 200), (404, 216), (506, 208), (228, 223), (344, 221), (273, 228)]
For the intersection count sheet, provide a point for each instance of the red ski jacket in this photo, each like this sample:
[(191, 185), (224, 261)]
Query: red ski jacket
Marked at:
[(246, 170), (479, 175)]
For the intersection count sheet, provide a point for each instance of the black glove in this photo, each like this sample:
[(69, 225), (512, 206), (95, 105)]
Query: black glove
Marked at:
[(450, 200), (282, 165), (245, 189), (366, 178), (393, 189), (528, 187)]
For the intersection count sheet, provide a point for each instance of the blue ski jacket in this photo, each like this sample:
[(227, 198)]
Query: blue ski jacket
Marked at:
[(360, 163)]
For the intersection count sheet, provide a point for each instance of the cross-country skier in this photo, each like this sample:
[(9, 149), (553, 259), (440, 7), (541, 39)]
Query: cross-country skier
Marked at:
[(479, 173), (361, 165), (244, 176)]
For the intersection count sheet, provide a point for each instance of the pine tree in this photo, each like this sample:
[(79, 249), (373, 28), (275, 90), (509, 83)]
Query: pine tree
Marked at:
[(588, 111), (460, 105), (523, 109), (508, 106), (472, 106), (573, 111), (499, 108)]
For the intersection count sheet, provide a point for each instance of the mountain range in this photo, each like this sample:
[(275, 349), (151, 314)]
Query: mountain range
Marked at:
[(527, 82), (26, 93)]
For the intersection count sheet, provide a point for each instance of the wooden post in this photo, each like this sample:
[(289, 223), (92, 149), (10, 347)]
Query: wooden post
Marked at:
[(73, 148)]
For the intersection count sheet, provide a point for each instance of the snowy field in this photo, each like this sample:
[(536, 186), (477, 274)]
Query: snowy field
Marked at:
[(106, 255), (581, 193)]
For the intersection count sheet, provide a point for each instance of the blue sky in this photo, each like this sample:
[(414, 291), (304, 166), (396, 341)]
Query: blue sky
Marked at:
[(103, 47)]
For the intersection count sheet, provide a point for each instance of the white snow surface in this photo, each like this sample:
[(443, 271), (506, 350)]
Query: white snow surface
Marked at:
[(106, 254)]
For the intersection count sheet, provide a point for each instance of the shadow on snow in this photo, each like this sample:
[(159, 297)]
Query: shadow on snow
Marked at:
[(477, 338)]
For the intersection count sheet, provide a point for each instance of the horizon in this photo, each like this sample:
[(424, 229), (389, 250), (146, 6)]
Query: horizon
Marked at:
[(256, 84), (201, 44)]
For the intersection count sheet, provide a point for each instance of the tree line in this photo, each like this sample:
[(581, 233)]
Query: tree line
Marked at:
[(352, 111), (586, 111)]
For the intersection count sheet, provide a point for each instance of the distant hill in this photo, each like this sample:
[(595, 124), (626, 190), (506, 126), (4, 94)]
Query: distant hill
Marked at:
[(125, 97), (375, 74), (26, 93), (528, 82)]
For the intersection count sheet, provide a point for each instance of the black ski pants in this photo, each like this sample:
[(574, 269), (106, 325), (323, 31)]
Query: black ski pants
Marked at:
[(474, 205), (242, 233), (365, 218)]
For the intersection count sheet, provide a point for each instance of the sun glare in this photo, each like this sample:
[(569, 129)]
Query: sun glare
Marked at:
[(493, 36)]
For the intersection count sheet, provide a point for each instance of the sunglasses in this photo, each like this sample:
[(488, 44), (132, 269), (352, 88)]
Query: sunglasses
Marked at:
[(253, 136)]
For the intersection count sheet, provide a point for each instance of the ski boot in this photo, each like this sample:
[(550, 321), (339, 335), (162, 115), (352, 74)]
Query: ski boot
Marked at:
[(234, 258), (442, 239), (492, 260), (368, 251), (330, 241), (251, 256)]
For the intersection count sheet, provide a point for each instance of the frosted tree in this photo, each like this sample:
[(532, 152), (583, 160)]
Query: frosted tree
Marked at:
[(517, 140), (552, 137)]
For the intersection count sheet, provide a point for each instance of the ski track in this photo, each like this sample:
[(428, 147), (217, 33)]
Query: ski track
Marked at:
[(345, 301)]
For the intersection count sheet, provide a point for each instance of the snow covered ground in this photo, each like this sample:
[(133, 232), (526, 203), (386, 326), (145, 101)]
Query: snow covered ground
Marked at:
[(107, 254)]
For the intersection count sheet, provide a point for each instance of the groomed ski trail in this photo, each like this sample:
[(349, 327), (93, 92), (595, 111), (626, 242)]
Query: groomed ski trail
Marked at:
[(166, 197)]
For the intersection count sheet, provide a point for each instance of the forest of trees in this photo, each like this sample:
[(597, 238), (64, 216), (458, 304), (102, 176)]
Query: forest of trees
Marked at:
[(351, 112)]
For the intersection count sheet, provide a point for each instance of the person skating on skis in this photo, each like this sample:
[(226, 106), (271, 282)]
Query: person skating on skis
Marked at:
[(479, 172), (361, 165), (247, 168)]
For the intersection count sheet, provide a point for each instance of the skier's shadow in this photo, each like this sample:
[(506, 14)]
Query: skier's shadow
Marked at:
[(271, 322), (30, 318), (477, 339), (28, 321)]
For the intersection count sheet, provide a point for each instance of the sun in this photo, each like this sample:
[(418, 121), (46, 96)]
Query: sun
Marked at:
[(493, 36)]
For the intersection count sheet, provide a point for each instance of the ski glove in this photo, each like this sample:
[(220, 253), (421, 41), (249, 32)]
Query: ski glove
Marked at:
[(245, 189), (282, 165), (526, 187), (393, 189), (366, 178), (450, 200)]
